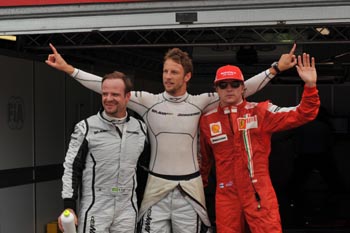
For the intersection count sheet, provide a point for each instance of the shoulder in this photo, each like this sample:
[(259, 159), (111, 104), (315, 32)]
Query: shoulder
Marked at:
[(138, 123), (204, 100), (145, 98), (251, 105), (81, 129), (144, 94), (209, 117), (210, 113), (82, 125)]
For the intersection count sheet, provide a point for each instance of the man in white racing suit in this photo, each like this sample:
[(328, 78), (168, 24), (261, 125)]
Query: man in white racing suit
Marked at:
[(174, 197), (100, 165)]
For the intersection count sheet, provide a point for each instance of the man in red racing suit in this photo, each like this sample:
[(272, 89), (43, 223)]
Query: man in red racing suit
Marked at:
[(238, 136)]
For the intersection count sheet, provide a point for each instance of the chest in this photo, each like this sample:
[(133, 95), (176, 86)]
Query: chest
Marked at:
[(170, 117), (111, 144), (229, 132)]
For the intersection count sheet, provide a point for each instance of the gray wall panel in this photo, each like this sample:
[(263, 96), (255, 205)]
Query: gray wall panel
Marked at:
[(49, 115), (49, 203), (16, 110), (17, 209)]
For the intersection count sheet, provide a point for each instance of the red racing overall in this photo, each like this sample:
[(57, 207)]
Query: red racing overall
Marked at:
[(239, 138)]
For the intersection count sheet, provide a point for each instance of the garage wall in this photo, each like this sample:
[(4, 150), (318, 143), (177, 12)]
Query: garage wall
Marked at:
[(16, 143), (38, 110), (49, 124)]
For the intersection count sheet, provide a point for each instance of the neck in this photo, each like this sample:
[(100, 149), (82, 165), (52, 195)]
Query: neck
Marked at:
[(222, 104), (177, 94), (116, 116)]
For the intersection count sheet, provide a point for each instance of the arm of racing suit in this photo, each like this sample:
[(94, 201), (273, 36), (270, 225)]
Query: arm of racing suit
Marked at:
[(308, 108), (278, 119), (88, 80), (257, 82), (93, 82), (74, 165)]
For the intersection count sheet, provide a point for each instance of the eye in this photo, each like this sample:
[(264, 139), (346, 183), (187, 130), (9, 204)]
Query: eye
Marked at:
[(222, 85)]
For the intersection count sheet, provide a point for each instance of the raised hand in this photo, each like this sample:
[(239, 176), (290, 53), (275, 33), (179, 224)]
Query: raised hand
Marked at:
[(287, 60), (306, 69), (56, 61)]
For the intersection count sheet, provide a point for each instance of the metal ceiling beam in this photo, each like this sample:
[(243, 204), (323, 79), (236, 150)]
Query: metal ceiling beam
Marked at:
[(161, 15), (228, 36)]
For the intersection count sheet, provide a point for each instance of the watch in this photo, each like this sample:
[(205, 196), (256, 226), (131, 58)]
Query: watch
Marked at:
[(275, 67)]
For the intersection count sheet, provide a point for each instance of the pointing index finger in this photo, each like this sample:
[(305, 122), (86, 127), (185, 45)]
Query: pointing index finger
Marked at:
[(53, 49), (293, 49)]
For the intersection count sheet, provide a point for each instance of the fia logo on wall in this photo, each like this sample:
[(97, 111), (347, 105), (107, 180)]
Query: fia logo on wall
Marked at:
[(15, 112)]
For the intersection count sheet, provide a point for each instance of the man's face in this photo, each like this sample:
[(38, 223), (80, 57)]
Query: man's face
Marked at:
[(174, 78), (114, 99), (230, 92)]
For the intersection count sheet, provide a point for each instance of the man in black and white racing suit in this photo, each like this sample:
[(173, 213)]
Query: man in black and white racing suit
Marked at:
[(174, 197), (100, 165)]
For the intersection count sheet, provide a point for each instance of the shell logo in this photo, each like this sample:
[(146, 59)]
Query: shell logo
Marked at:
[(215, 128)]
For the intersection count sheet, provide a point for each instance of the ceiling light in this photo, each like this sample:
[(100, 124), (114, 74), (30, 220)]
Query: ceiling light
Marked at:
[(12, 38), (323, 31)]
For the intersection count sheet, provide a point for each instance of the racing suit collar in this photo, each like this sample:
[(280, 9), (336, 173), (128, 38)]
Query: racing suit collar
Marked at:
[(231, 108), (171, 98), (113, 120)]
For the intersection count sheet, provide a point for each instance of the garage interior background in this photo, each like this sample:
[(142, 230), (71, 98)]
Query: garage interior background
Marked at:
[(39, 106)]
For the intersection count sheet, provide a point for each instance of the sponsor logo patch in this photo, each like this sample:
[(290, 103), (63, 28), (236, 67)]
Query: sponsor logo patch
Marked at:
[(247, 123), (215, 128), (92, 225), (148, 220), (217, 139)]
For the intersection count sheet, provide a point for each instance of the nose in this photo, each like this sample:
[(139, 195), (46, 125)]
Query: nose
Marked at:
[(108, 97), (166, 75), (229, 87)]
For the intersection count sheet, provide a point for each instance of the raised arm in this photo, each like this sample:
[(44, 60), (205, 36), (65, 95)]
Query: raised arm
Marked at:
[(56, 61), (307, 109), (90, 81), (259, 81)]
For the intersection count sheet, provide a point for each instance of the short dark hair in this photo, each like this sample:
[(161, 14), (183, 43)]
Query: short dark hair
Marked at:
[(119, 75), (181, 58)]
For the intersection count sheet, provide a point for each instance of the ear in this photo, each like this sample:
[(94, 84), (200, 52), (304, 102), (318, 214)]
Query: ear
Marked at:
[(188, 77), (128, 95), (243, 90)]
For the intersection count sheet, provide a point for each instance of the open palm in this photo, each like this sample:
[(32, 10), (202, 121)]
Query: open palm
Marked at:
[(306, 69)]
